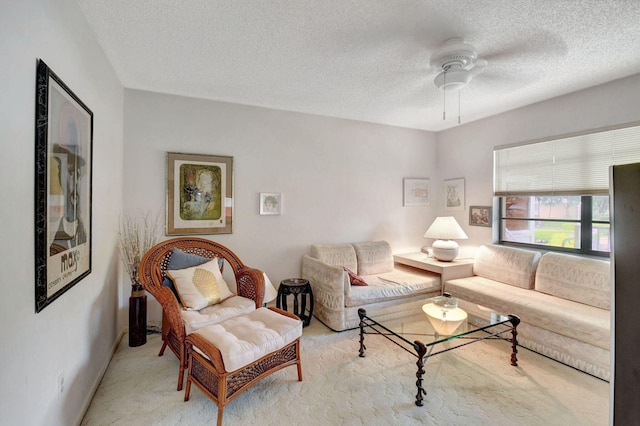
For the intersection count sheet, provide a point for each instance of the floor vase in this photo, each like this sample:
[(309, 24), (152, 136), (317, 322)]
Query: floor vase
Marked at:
[(137, 318)]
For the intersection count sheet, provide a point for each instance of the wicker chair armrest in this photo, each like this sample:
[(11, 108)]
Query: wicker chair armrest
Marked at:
[(285, 313), (207, 348), (171, 309), (250, 284)]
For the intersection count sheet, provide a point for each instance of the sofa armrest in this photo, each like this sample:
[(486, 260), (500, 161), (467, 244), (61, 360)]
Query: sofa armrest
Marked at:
[(327, 281)]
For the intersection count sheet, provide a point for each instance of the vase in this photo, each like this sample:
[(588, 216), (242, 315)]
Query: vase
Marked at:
[(137, 316)]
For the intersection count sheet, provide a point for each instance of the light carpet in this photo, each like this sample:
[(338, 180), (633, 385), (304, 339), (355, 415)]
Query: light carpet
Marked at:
[(474, 385)]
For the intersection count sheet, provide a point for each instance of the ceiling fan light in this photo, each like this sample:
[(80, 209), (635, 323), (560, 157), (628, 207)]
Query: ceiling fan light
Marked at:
[(452, 80)]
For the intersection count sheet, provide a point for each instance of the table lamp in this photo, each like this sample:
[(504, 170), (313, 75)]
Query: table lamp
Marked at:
[(444, 315), (270, 292), (445, 320), (445, 229)]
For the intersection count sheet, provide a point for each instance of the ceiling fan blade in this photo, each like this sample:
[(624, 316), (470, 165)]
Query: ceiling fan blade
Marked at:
[(478, 67), (547, 45)]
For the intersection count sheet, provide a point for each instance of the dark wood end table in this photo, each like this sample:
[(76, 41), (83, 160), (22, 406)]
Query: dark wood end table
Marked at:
[(296, 287)]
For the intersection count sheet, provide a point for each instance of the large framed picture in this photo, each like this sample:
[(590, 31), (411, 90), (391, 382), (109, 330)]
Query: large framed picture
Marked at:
[(63, 184), (199, 194), (454, 194), (480, 216), (417, 192)]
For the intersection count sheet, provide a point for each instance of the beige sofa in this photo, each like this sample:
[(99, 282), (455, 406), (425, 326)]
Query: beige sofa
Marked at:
[(391, 290), (563, 301)]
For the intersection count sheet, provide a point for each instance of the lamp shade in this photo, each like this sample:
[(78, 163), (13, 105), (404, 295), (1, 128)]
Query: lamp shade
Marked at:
[(444, 321), (270, 292), (445, 229)]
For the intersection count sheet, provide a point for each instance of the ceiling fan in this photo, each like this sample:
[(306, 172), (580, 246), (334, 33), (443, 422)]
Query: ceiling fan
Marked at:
[(457, 62)]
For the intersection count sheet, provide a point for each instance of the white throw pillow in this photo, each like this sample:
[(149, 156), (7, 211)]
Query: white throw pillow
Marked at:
[(200, 286)]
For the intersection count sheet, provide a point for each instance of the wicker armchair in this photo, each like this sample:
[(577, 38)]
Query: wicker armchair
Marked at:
[(249, 283)]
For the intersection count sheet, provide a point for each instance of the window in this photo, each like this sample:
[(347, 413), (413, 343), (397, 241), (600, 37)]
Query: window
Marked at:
[(554, 193), (577, 224)]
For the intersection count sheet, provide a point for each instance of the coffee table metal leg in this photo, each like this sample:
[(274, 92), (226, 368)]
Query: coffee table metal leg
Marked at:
[(422, 351), (515, 320), (361, 314)]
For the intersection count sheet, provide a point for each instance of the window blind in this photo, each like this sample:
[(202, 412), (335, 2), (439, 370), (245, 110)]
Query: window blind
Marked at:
[(573, 165)]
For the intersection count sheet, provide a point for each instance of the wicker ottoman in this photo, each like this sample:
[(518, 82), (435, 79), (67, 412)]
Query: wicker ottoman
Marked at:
[(226, 359)]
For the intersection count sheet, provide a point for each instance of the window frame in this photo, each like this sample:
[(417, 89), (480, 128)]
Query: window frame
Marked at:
[(586, 223)]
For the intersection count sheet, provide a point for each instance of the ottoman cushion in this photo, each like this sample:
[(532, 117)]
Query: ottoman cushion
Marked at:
[(246, 338)]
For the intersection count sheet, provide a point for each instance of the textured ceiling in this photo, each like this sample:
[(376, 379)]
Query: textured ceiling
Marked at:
[(366, 59)]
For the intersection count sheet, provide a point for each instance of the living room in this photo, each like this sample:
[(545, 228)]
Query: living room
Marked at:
[(341, 181)]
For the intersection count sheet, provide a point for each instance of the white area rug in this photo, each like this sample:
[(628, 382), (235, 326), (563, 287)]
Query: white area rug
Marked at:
[(474, 385)]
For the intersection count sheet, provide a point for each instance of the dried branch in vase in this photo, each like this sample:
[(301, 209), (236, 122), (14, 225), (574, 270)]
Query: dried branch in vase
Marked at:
[(136, 237)]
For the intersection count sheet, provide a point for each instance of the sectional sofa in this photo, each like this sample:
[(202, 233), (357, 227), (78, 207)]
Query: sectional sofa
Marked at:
[(563, 301)]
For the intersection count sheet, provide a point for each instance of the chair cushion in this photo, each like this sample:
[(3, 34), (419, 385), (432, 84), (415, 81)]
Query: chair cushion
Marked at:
[(231, 307), (200, 286), (180, 260), (244, 339)]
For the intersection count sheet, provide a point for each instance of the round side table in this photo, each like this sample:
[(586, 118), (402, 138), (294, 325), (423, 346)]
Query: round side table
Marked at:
[(296, 287)]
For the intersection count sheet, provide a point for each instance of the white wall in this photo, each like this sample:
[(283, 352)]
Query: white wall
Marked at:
[(341, 180), (77, 332), (467, 151)]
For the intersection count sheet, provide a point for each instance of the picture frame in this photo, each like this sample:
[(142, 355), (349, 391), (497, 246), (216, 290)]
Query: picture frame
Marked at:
[(270, 203), (416, 192), (63, 187), (454, 194), (480, 216), (199, 194)]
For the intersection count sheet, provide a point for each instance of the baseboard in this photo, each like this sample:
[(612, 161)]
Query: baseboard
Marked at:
[(96, 383)]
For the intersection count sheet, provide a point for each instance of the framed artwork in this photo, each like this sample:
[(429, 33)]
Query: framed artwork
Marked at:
[(417, 192), (270, 203), (454, 194), (199, 194), (63, 184), (480, 216)]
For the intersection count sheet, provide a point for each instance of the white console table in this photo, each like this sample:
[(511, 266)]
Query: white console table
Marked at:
[(458, 268)]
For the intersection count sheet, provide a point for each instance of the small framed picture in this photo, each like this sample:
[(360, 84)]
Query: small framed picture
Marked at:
[(480, 216), (454, 194), (417, 192), (270, 203)]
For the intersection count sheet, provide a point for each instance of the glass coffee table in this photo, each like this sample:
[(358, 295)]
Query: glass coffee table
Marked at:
[(423, 335)]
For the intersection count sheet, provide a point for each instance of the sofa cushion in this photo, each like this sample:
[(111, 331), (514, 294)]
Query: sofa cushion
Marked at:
[(572, 319), (246, 338), (575, 278), (336, 255), (200, 286), (231, 307), (508, 265), (400, 283), (374, 257)]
